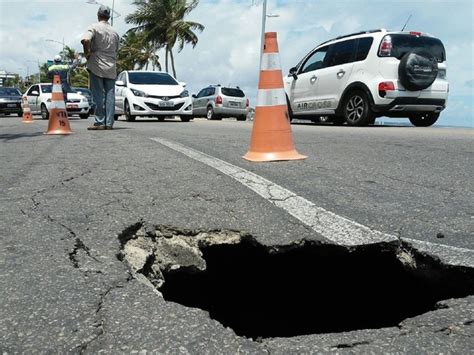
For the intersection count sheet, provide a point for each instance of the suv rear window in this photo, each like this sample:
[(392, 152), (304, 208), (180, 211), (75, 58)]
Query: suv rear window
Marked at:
[(341, 53), (232, 92), (363, 48), (403, 43)]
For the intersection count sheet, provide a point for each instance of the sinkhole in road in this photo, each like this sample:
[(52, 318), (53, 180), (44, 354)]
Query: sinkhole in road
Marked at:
[(300, 289)]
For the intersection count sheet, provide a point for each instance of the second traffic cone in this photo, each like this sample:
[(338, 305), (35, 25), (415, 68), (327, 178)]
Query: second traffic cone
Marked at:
[(271, 134), (27, 117), (58, 122)]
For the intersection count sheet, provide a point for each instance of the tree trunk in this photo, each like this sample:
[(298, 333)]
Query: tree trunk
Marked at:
[(172, 63)]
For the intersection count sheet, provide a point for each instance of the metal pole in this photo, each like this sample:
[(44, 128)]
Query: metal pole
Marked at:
[(264, 18), (112, 18), (39, 72)]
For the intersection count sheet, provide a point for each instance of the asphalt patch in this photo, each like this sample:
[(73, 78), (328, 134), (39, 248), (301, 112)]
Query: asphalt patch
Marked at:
[(290, 290)]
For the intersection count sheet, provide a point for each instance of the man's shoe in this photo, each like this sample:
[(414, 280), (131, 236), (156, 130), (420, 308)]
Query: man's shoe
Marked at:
[(109, 127), (96, 128)]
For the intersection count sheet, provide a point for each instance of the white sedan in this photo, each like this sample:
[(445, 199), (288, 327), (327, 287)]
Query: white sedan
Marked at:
[(151, 94), (39, 100)]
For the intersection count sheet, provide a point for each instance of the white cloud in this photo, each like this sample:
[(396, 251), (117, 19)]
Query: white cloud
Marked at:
[(228, 49)]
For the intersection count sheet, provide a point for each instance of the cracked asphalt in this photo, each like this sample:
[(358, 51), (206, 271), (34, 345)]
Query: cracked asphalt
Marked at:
[(65, 199)]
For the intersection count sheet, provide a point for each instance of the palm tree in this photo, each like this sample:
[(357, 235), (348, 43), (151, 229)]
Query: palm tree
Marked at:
[(163, 25), (136, 52), (69, 54)]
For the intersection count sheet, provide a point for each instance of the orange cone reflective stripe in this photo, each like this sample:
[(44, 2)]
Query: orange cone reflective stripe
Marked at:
[(271, 133), (58, 121)]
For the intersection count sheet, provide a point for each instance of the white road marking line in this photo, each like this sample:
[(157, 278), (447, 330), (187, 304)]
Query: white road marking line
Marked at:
[(337, 229)]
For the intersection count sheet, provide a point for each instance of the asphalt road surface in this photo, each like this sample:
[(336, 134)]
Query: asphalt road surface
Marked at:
[(404, 192)]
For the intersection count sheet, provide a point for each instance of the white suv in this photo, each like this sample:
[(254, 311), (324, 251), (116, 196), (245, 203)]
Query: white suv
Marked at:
[(356, 78)]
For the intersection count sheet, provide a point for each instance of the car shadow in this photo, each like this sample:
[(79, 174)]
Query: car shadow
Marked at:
[(328, 124)]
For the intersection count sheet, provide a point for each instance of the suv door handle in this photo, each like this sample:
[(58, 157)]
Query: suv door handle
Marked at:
[(341, 73), (313, 79)]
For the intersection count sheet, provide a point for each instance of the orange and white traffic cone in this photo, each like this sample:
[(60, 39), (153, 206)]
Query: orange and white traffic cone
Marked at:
[(58, 121), (27, 117), (271, 134)]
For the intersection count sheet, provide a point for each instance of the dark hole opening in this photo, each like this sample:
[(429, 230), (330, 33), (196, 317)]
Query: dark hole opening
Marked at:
[(312, 289)]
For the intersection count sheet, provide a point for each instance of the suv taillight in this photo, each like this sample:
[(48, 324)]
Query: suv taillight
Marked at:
[(385, 49), (218, 100), (247, 103), (385, 86)]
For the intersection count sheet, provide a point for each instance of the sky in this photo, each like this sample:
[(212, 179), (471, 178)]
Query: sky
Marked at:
[(228, 49)]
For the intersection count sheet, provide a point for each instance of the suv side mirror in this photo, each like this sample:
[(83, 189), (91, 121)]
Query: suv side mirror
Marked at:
[(119, 83), (193, 96), (182, 83), (34, 93), (293, 73)]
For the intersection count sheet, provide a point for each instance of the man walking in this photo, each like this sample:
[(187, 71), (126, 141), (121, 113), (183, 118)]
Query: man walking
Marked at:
[(100, 43)]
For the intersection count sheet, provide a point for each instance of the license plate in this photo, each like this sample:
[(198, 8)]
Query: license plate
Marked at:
[(233, 103), (72, 106), (11, 105), (166, 104)]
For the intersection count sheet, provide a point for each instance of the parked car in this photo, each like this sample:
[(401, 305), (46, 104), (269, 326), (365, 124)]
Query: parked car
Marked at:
[(39, 100), (10, 101), (151, 94), (215, 102), (87, 93), (355, 78)]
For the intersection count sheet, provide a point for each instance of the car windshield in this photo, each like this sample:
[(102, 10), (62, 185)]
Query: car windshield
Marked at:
[(47, 88), (402, 44), (146, 78), (9, 92), (233, 92)]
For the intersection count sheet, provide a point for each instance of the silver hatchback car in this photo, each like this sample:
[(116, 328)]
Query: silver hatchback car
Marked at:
[(215, 102)]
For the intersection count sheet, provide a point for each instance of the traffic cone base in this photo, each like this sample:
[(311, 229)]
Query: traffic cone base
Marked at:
[(271, 134), (27, 117), (58, 121)]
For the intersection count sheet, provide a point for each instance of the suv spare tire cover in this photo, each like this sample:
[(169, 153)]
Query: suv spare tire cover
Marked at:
[(417, 70)]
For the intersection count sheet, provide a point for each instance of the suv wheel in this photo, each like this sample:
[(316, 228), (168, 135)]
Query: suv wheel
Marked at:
[(356, 109), (128, 114), (185, 118), (411, 76), (44, 112), (424, 119), (210, 115), (84, 116), (241, 118)]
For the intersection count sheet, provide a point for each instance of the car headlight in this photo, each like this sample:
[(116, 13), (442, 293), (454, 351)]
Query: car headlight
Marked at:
[(138, 93), (185, 93)]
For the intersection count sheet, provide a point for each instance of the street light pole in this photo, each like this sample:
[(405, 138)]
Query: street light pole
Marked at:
[(264, 20), (262, 39), (112, 14), (62, 43)]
